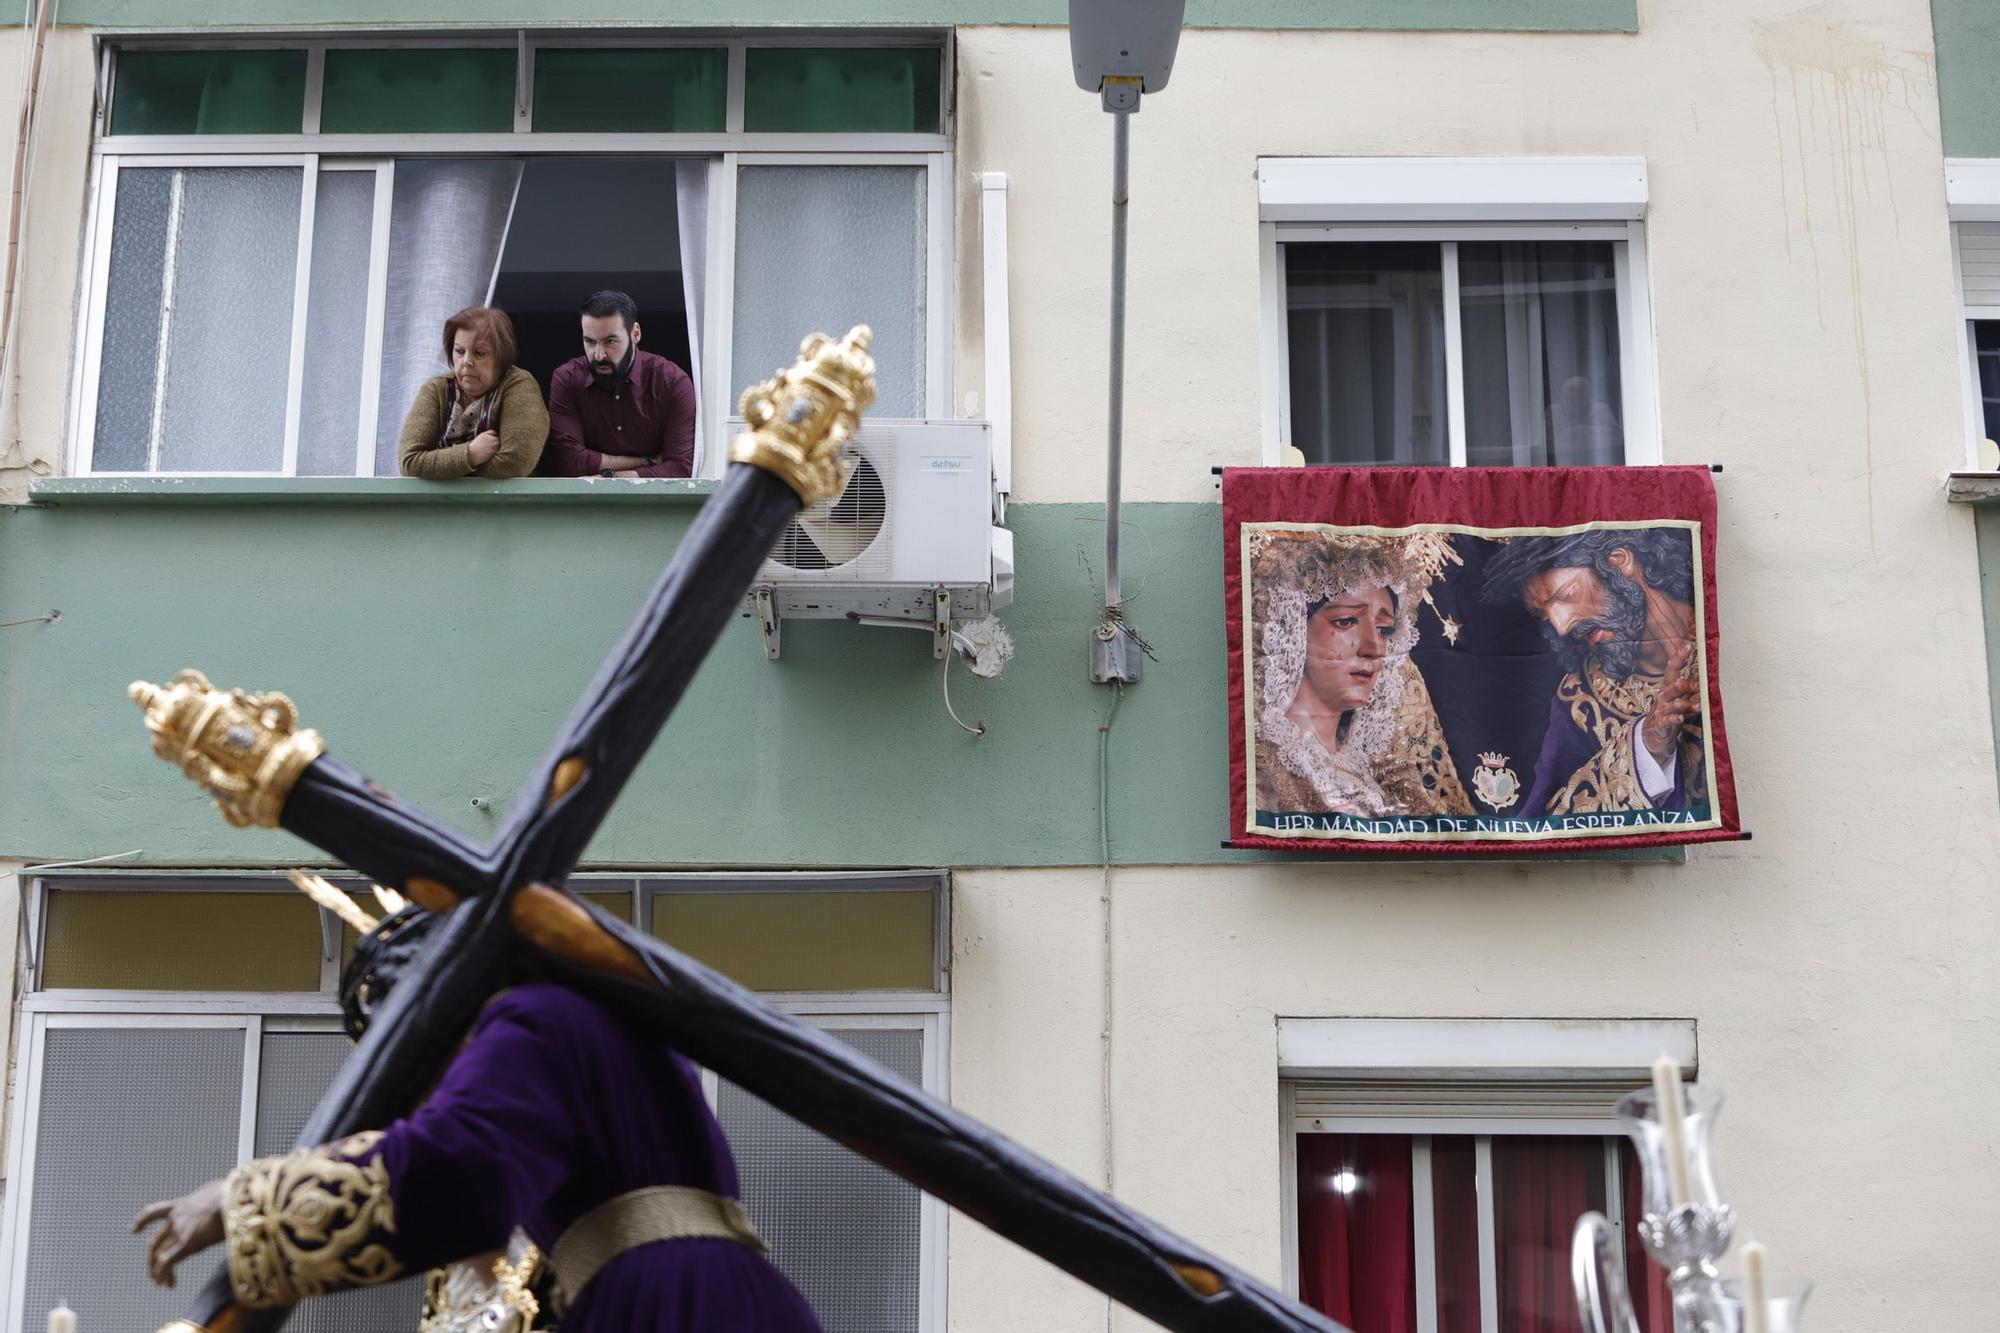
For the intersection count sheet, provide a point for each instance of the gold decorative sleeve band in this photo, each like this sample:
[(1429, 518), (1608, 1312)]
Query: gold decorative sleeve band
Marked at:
[(245, 750), (309, 1222), (800, 420)]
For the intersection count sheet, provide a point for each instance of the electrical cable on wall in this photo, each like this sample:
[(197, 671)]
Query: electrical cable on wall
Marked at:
[(49, 619), (1104, 904), (987, 648)]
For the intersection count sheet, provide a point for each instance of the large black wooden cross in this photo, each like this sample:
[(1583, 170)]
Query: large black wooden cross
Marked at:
[(507, 895)]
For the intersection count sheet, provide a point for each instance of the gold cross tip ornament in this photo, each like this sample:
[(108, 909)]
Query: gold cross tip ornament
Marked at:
[(245, 750), (801, 419)]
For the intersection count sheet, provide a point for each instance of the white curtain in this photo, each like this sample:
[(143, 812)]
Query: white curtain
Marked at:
[(1366, 335), (1540, 326), (691, 209), (447, 227)]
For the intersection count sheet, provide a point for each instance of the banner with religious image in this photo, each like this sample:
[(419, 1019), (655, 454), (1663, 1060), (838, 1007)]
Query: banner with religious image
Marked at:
[(1473, 660)]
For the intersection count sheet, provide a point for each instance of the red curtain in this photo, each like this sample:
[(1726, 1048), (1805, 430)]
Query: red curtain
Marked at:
[(1356, 1262), (1455, 1203), (1651, 1299), (1540, 1187)]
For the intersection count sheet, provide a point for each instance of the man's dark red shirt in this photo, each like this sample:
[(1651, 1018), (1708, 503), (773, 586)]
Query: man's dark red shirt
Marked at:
[(648, 413)]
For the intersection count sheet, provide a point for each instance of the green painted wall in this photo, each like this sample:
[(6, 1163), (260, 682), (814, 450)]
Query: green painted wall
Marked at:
[(438, 647), (1532, 15), (438, 644), (1968, 60)]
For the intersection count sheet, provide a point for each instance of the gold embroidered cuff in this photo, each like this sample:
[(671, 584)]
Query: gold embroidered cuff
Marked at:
[(309, 1222)]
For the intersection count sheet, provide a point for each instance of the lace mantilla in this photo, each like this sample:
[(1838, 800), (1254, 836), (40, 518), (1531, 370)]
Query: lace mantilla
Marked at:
[(308, 1223), (1392, 757)]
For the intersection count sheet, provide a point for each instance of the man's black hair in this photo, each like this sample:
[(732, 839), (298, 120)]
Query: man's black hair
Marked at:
[(1665, 556), (607, 302), (379, 959)]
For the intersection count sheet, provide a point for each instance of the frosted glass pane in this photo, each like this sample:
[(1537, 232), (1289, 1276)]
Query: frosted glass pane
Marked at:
[(820, 249), (336, 323), (846, 1231), (128, 1115), (292, 1073), (229, 334), (129, 360)]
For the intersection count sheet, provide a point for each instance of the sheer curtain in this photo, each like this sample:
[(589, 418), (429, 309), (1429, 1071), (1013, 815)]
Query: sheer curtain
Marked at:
[(1539, 321), (1366, 332), (447, 226), (691, 210), (1357, 1263)]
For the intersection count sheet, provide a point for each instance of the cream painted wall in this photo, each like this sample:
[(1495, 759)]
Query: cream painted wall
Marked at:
[(1801, 283), (1848, 1015), (31, 428), (1839, 966)]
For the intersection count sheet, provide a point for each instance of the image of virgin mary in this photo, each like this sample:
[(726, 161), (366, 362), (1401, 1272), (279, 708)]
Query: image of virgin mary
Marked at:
[(1344, 721)]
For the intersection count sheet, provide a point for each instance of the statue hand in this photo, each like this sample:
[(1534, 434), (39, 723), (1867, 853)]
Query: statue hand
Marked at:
[(193, 1223), (1678, 706)]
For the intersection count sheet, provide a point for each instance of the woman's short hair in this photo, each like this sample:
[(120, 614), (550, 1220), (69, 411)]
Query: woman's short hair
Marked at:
[(487, 325)]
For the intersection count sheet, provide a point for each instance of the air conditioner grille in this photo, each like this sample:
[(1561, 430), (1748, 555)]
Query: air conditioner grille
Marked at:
[(837, 532)]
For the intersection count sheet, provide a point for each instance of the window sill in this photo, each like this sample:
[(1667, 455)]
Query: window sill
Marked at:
[(1973, 488), (58, 491)]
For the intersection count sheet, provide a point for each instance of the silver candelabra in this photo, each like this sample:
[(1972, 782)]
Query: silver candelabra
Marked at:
[(1685, 1228)]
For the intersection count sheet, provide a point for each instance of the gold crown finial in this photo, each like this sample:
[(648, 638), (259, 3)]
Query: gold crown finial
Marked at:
[(245, 750), (800, 419)]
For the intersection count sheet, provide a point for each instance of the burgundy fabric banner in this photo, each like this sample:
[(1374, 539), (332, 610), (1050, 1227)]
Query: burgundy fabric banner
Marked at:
[(1473, 660)]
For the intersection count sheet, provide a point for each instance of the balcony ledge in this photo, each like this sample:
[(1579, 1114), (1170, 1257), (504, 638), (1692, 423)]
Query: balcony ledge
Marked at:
[(64, 491), (1973, 488)]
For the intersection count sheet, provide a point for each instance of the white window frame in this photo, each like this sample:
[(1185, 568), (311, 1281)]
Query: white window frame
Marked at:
[(1972, 194), (726, 151), (89, 361), (1478, 1077), (719, 342), (254, 1013), (285, 1014), (1448, 201)]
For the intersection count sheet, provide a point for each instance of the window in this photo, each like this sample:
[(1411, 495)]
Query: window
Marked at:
[(1978, 246), (218, 995), (1436, 1169), (1433, 312), (279, 233)]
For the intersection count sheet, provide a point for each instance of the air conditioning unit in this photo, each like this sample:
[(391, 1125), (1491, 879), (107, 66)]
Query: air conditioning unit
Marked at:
[(910, 540)]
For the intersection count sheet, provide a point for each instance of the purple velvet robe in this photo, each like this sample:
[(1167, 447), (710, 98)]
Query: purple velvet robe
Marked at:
[(552, 1107)]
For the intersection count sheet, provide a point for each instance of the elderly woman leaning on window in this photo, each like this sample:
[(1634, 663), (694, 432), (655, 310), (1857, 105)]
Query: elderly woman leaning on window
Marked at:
[(486, 417)]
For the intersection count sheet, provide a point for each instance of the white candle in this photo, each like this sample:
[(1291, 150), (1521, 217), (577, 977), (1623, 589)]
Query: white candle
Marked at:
[(62, 1319), (1756, 1311), (1667, 1106)]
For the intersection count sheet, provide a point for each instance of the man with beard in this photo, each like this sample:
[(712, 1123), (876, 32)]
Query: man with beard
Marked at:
[(1624, 728), (616, 411)]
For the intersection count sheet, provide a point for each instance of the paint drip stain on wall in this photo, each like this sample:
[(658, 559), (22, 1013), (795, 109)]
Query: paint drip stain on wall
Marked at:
[(1837, 96)]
